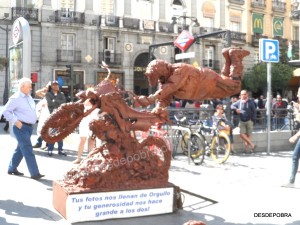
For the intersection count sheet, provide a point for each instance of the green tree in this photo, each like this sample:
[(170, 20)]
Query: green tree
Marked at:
[(3, 62), (256, 78)]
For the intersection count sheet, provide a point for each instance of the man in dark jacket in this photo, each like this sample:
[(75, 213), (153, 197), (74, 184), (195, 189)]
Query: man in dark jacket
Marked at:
[(54, 99), (246, 108)]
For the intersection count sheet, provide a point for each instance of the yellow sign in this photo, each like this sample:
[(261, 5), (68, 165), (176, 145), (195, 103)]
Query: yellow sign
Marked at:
[(257, 21)]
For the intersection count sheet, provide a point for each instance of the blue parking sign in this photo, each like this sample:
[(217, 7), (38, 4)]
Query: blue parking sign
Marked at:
[(268, 50)]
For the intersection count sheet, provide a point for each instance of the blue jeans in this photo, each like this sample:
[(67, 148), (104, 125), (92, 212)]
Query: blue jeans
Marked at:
[(24, 149), (278, 123), (295, 161), (51, 146)]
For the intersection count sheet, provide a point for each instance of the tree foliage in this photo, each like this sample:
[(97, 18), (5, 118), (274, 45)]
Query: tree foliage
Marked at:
[(3, 62), (256, 78)]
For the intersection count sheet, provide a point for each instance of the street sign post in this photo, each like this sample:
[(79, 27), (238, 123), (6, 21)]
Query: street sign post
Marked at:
[(184, 40), (185, 55), (269, 52)]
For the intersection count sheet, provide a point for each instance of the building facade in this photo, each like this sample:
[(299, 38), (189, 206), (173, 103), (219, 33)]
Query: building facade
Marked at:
[(126, 34)]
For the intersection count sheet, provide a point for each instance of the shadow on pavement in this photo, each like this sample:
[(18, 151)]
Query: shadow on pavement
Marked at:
[(4, 222), (12, 208)]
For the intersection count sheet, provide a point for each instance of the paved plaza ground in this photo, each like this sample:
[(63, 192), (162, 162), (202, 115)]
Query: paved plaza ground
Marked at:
[(246, 190)]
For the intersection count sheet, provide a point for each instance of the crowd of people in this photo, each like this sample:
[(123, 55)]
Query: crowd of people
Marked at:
[(244, 113)]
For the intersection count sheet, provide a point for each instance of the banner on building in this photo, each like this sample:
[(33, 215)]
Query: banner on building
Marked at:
[(277, 26), (257, 23)]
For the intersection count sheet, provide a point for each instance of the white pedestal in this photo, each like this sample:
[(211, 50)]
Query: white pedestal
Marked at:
[(96, 206)]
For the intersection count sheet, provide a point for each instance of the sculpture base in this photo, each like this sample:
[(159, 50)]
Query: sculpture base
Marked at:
[(93, 206)]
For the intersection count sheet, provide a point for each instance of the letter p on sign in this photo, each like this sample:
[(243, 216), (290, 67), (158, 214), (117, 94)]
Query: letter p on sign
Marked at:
[(268, 50)]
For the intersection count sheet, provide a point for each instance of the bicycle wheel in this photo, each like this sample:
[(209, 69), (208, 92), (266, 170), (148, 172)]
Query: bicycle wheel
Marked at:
[(62, 122), (175, 142), (220, 148), (158, 152), (197, 147)]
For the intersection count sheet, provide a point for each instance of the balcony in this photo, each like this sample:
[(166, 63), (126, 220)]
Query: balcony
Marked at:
[(66, 16), (238, 36), (255, 39), (131, 23), (112, 21), (30, 14), (72, 56), (212, 64), (278, 6), (258, 4), (238, 2), (207, 30), (111, 59), (166, 27)]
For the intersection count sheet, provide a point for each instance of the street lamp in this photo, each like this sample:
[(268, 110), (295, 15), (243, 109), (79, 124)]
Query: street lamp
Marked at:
[(5, 93), (184, 17)]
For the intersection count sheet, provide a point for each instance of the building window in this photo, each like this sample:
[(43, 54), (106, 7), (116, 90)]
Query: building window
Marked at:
[(209, 24), (24, 3), (108, 7), (235, 26), (295, 33), (68, 47), (67, 8), (177, 9), (145, 10), (209, 56)]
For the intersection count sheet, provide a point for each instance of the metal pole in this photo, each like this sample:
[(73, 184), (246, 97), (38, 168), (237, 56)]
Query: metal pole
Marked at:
[(5, 92), (269, 101)]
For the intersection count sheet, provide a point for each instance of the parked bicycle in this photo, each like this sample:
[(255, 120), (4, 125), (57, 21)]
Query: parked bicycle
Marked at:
[(181, 135), (218, 147), (156, 130)]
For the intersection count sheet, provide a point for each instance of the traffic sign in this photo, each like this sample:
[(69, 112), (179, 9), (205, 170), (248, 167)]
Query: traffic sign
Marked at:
[(268, 50), (185, 55), (184, 40)]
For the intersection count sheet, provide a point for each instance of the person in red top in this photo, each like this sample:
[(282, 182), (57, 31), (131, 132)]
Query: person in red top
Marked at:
[(279, 112)]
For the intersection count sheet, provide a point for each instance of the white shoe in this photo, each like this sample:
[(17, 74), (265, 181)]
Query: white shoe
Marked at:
[(289, 185)]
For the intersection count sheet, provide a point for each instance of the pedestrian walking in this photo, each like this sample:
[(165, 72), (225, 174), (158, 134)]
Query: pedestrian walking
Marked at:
[(20, 111), (246, 108), (42, 113), (85, 132), (54, 99), (295, 159)]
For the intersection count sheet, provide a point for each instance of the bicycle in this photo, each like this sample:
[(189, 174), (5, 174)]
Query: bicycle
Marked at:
[(181, 135), (218, 147), (156, 130)]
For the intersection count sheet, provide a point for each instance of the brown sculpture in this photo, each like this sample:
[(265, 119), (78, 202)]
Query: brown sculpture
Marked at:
[(185, 81), (124, 162), (194, 222)]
